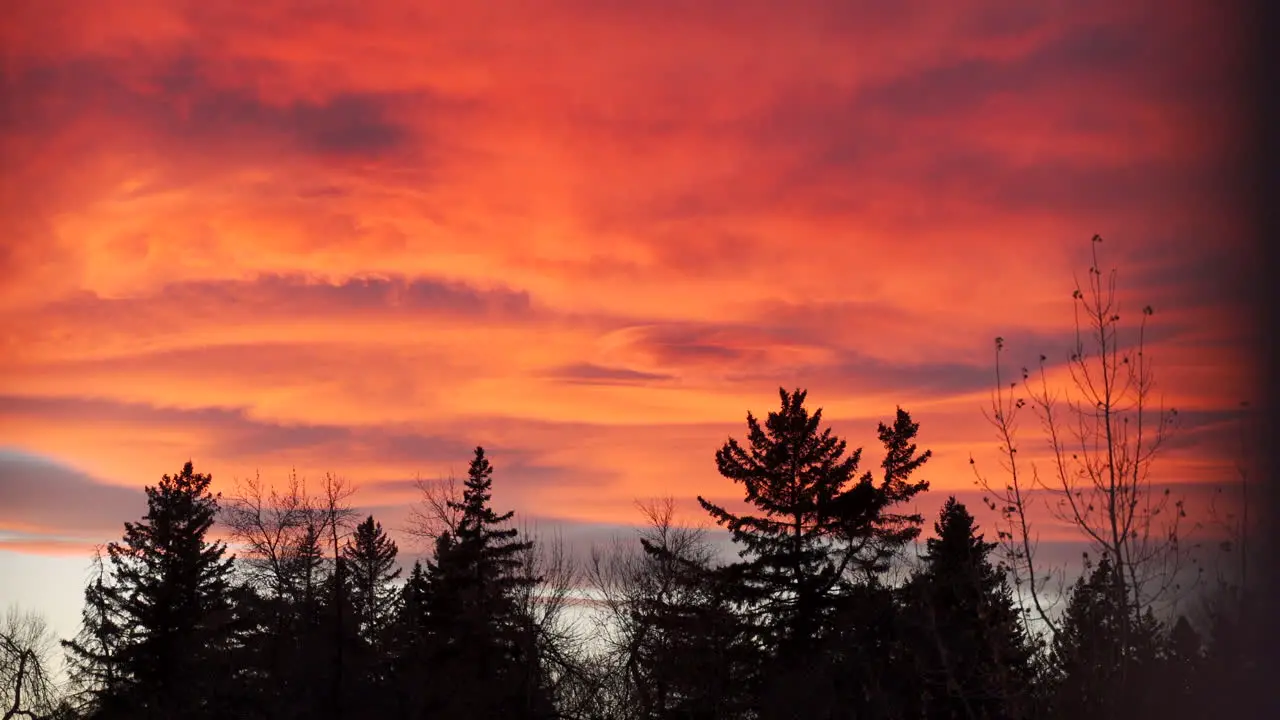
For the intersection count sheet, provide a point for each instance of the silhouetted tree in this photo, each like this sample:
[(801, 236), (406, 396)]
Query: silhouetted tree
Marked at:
[(673, 645), (164, 611), (629, 581), (1104, 431), (370, 557), (281, 568), (696, 655), (1104, 654), (334, 518), (270, 527), (368, 561), (91, 656), (27, 688), (974, 657), (409, 650), (482, 648), (821, 527), (556, 639)]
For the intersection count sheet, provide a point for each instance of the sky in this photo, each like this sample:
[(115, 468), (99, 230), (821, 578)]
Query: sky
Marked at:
[(363, 238)]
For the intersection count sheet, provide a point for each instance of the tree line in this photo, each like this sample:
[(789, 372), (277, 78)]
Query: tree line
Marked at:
[(312, 618), (824, 612)]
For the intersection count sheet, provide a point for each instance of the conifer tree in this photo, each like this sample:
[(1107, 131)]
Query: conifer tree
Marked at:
[(691, 653), (1098, 674), (91, 655), (160, 618), (370, 557), (818, 520), (820, 527), (964, 627), (409, 648), (481, 643), (413, 596)]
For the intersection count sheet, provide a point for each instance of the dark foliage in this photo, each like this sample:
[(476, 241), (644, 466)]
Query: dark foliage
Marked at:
[(370, 558), (480, 647), (157, 623), (821, 532), (973, 657), (315, 620)]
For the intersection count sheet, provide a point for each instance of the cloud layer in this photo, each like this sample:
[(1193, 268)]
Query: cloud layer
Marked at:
[(364, 239)]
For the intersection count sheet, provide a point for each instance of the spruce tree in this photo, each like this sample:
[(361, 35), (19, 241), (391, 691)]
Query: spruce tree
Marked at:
[(370, 557), (411, 613), (973, 652), (482, 644), (1097, 673), (409, 648), (163, 609)]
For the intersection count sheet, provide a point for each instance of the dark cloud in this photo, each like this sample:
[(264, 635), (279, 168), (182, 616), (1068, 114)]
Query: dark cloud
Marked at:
[(1186, 271), (1007, 18), (591, 374), (40, 493), (231, 433), (177, 104), (287, 297), (839, 151), (750, 354), (347, 124), (1222, 433), (677, 344), (854, 372), (1100, 55), (295, 294)]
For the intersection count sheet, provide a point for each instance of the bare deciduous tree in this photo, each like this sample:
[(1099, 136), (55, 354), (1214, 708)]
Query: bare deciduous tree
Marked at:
[(27, 688), (625, 580), (1103, 433), (277, 529), (559, 637), (336, 515), (437, 509)]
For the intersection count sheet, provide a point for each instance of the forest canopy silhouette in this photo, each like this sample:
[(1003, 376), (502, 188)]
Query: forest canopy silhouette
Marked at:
[(281, 601)]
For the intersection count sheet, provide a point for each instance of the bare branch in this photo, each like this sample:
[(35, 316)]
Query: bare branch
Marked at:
[(437, 510), (1103, 432), (27, 688)]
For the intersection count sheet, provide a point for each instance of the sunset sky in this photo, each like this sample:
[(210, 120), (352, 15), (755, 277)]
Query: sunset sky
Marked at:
[(364, 237)]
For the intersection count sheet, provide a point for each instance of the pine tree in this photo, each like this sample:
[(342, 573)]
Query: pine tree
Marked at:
[(162, 611), (820, 524), (411, 614), (963, 625), (370, 557), (307, 563)]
